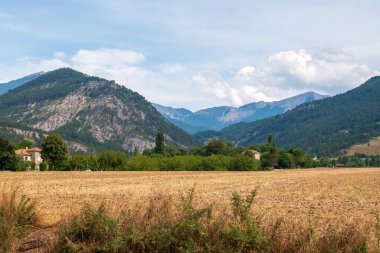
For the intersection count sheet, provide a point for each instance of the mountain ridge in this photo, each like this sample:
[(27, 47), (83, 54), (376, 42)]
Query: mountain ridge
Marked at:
[(5, 87), (94, 112), (216, 118), (323, 127)]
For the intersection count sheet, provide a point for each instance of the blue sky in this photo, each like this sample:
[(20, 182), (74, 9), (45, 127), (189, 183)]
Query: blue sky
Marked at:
[(197, 54)]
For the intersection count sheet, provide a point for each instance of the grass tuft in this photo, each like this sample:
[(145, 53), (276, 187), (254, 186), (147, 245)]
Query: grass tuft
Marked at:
[(17, 215)]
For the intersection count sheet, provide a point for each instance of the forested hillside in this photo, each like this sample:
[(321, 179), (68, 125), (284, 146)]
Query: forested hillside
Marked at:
[(324, 127)]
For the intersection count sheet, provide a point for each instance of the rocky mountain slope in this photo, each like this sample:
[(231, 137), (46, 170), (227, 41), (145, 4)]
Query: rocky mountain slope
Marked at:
[(217, 118), (325, 127), (91, 112)]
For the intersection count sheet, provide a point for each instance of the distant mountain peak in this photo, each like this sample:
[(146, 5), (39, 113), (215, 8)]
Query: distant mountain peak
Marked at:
[(93, 112), (5, 87), (216, 118)]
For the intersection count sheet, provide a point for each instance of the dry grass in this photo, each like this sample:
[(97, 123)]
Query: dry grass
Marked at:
[(370, 148), (318, 198), (17, 216)]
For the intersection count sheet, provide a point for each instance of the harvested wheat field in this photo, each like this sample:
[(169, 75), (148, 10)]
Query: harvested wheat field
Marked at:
[(331, 194), (322, 197)]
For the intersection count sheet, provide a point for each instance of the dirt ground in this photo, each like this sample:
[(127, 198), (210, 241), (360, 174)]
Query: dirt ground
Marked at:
[(328, 196)]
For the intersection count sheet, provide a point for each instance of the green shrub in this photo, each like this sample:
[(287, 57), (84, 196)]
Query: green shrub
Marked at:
[(191, 163), (142, 162), (43, 166), (25, 165), (91, 231), (164, 226), (243, 163)]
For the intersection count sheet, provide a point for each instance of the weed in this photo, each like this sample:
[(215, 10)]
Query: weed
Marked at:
[(91, 231), (17, 214)]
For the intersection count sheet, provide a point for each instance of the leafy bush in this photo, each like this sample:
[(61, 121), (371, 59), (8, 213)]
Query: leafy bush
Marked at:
[(244, 164), (43, 166), (25, 165), (191, 163)]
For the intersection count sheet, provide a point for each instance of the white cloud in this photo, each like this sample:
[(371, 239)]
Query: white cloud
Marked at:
[(60, 55), (284, 74), (331, 71), (107, 57)]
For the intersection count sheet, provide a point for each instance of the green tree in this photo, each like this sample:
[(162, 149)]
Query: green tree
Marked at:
[(215, 147), (160, 143), (271, 140), (229, 149), (54, 150), (273, 157), (264, 160), (111, 160), (83, 161), (285, 160), (299, 157), (7, 156), (26, 144), (171, 151)]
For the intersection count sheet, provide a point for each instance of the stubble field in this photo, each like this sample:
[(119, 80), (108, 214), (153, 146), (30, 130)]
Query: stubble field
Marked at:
[(326, 196)]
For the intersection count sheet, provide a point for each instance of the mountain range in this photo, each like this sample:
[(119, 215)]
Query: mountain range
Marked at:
[(5, 87), (91, 113), (324, 127), (217, 118), (95, 114)]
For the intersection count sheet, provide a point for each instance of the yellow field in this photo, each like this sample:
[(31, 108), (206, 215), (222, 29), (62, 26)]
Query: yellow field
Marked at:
[(333, 196), (370, 148)]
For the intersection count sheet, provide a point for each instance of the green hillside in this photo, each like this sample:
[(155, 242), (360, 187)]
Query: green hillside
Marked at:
[(324, 127)]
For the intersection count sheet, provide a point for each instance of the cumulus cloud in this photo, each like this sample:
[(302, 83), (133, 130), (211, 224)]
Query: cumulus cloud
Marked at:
[(107, 57), (288, 73), (282, 75), (333, 71)]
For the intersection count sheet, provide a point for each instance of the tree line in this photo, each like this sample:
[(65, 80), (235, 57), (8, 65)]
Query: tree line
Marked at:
[(214, 155)]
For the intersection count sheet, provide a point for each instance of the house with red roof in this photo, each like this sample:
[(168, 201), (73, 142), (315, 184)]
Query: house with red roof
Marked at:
[(31, 155)]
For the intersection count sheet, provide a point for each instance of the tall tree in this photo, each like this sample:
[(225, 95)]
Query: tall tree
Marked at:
[(215, 147), (273, 157), (271, 140), (7, 156), (54, 150), (160, 143)]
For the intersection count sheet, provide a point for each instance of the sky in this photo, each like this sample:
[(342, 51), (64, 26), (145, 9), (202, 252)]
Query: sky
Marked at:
[(197, 54)]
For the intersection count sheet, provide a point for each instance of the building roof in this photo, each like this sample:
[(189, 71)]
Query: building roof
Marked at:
[(250, 152), (34, 149), (27, 151), (22, 152)]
